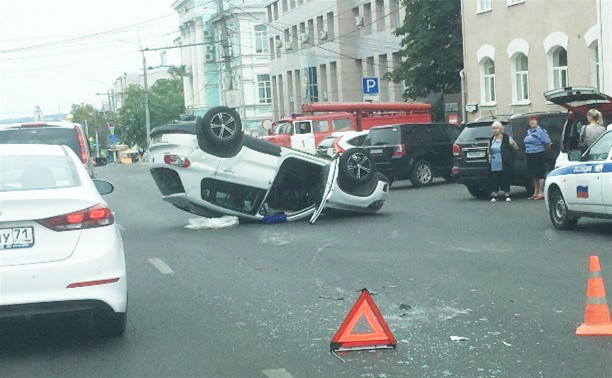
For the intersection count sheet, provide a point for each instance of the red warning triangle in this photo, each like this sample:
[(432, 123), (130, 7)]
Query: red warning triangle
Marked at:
[(377, 336)]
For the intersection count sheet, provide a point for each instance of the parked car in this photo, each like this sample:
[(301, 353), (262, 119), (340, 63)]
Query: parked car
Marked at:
[(60, 248), (418, 152), (578, 100), (60, 133), (321, 120), (471, 160), (583, 187), (210, 168), (338, 143)]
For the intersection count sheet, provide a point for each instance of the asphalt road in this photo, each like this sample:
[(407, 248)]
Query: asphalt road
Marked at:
[(265, 300)]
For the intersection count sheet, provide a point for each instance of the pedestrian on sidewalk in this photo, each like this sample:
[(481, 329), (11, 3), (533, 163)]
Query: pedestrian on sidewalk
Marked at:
[(501, 162), (589, 133), (537, 142)]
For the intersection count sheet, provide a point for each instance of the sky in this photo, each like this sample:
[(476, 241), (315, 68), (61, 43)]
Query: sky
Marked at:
[(55, 53)]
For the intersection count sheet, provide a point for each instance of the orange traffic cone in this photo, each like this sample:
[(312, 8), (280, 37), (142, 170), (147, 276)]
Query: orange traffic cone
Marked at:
[(597, 313)]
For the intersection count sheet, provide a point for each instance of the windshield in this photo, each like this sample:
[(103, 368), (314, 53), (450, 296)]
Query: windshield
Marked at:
[(41, 135), (284, 128), (327, 142), (475, 132), (19, 173)]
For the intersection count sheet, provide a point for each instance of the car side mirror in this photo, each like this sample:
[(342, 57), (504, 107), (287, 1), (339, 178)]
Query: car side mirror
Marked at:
[(101, 161), (574, 155), (104, 187)]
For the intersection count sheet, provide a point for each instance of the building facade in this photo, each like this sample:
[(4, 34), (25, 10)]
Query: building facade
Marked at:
[(515, 50), (135, 78), (321, 50), (245, 84)]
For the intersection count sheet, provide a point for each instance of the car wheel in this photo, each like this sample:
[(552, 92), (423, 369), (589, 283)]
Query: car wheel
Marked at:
[(108, 324), (559, 213), (220, 132), (478, 191), (422, 174), (356, 167)]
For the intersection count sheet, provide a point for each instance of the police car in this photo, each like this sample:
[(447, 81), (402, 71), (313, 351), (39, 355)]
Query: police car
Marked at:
[(583, 187)]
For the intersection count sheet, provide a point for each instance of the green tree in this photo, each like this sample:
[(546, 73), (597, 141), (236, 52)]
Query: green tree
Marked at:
[(432, 49), (166, 104), (131, 127), (86, 114)]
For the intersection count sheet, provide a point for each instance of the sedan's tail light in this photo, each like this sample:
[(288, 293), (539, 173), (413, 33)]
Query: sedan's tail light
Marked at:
[(177, 161), (337, 147), (95, 216), (456, 150), (399, 150)]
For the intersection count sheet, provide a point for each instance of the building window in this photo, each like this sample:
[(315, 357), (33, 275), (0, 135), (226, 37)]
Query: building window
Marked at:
[(487, 68), (312, 88), (261, 36), (265, 89), (394, 13), (330, 26), (559, 67), (367, 18), (595, 66), (380, 13), (483, 6), (521, 78)]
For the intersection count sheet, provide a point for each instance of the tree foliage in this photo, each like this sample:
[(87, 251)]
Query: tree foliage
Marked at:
[(432, 49), (166, 104), (86, 114)]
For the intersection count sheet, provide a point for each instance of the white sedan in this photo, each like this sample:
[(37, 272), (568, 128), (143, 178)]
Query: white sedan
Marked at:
[(210, 168), (583, 187), (60, 249)]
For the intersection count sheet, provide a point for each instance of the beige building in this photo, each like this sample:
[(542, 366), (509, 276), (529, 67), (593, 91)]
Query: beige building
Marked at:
[(321, 50), (515, 50)]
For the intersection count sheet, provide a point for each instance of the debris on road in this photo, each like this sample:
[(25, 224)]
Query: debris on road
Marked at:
[(458, 338), (405, 307), (212, 223), (506, 344), (332, 298)]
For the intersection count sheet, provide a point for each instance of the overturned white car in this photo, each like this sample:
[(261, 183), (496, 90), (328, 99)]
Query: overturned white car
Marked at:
[(210, 168)]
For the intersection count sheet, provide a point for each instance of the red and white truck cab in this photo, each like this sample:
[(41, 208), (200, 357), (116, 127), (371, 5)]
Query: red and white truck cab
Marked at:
[(320, 120)]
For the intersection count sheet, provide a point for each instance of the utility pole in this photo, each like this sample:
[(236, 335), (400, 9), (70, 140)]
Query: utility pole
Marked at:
[(146, 98), (225, 44)]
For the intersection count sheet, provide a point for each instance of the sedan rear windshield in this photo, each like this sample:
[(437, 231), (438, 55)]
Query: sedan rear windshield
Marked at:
[(36, 173), (383, 137), (42, 135)]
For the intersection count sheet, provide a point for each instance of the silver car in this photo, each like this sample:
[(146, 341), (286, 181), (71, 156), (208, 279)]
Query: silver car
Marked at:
[(210, 168)]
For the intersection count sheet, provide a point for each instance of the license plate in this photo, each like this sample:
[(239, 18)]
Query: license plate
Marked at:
[(376, 151), (16, 237), (476, 154)]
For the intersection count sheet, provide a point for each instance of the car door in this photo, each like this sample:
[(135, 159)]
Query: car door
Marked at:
[(584, 189), (303, 139), (441, 148)]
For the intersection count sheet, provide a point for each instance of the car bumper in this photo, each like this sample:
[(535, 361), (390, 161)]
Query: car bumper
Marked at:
[(43, 288), (471, 176)]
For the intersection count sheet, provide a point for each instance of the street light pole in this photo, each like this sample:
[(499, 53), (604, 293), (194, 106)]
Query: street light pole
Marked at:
[(146, 99)]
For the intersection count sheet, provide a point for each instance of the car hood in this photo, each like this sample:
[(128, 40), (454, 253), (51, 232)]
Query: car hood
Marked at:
[(580, 99)]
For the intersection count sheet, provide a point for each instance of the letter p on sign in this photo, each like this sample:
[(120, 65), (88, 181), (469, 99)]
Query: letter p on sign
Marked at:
[(370, 89)]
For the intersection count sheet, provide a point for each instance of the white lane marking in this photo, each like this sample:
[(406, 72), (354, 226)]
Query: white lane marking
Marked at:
[(161, 266), (277, 373), (121, 228)]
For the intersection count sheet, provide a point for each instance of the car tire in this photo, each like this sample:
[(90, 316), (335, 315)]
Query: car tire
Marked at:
[(356, 167), (559, 213), (220, 132), (109, 324), (479, 191), (422, 174)]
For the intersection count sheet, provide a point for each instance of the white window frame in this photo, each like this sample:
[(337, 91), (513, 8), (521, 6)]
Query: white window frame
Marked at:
[(261, 36), (266, 86), (487, 82), (515, 2), (523, 78), (595, 65), (557, 72), (483, 6)]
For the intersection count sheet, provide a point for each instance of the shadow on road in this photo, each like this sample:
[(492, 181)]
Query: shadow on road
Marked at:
[(52, 334)]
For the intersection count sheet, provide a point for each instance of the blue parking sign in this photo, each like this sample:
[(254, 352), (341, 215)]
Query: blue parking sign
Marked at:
[(370, 85)]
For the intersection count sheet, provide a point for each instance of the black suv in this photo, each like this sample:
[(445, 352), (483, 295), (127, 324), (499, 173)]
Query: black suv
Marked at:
[(471, 162), (415, 151)]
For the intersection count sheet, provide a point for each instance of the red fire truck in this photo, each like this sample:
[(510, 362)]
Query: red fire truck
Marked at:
[(320, 120)]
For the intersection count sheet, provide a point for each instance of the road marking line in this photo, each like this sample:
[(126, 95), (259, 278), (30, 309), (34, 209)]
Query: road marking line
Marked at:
[(277, 373), (161, 266)]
